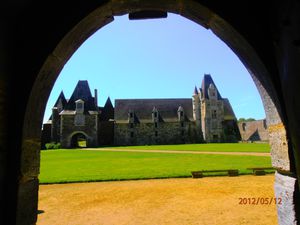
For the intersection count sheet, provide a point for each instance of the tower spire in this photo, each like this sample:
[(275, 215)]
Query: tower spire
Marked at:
[(195, 90)]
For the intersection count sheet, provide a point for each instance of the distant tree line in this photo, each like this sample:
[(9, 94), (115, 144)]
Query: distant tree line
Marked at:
[(245, 120)]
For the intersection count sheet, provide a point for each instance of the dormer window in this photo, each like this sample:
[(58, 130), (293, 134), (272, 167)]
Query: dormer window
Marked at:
[(154, 114), (180, 113), (79, 106), (212, 92), (131, 116)]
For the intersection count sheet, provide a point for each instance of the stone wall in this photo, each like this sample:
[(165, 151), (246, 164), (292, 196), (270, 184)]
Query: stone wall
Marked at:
[(148, 134), (231, 131), (68, 129), (46, 135), (106, 133), (212, 127), (254, 130)]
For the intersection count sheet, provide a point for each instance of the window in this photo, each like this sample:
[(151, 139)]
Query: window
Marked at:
[(155, 125), (181, 113), (79, 120), (79, 106), (156, 133), (131, 125), (131, 134), (155, 114), (215, 137), (244, 126), (214, 114), (182, 124), (131, 115), (182, 132)]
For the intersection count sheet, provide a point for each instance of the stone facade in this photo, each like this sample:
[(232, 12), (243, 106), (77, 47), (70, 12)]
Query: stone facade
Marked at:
[(206, 117), (148, 134), (155, 121), (217, 117), (79, 118)]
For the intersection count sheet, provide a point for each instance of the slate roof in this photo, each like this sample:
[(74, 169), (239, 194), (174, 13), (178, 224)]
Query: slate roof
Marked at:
[(207, 80), (142, 108), (62, 98), (107, 112), (81, 91), (228, 111)]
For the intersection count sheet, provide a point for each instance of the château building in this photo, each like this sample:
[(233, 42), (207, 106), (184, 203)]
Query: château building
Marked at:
[(205, 117)]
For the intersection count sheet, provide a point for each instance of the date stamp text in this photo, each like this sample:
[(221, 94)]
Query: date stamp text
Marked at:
[(260, 201)]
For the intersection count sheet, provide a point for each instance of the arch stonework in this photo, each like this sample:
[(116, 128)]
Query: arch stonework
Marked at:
[(270, 83), (76, 133)]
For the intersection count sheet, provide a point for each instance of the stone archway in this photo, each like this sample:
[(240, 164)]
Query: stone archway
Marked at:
[(78, 140), (99, 18)]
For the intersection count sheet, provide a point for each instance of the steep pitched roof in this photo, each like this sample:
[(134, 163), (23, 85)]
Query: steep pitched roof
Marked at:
[(228, 111), (196, 91), (61, 98), (207, 80), (142, 108), (107, 112), (82, 91)]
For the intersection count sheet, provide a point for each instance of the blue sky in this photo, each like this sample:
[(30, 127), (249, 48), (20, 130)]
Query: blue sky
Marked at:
[(158, 58)]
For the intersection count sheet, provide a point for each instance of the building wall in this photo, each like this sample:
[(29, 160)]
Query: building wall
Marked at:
[(212, 127), (145, 133), (254, 130), (68, 129), (231, 131), (106, 133), (46, 135)]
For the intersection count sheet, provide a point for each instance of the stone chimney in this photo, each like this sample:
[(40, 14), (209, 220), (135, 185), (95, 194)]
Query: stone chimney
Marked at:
[(96, 97)]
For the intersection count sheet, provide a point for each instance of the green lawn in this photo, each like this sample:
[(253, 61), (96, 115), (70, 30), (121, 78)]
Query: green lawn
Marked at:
[(220, 147), (59, 166)]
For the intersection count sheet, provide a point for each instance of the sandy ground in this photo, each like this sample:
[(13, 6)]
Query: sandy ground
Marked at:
[(185, 201), (179, 152)]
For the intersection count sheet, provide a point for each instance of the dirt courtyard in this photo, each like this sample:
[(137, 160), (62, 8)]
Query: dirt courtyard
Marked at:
[(184, 201)]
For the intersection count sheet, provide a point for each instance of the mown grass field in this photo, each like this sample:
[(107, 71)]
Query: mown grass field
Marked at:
[(218, 147), (60, 166)]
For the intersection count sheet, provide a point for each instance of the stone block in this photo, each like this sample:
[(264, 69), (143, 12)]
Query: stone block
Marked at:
[(30, 161), (27, 202), (279, 147), (285, 194)]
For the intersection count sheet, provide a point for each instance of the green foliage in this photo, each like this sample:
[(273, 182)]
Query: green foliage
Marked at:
[(211, 147), (60, 166), (53, 145), (245, 120)]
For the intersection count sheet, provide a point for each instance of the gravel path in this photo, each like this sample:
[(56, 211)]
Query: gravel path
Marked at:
[(185, 201)]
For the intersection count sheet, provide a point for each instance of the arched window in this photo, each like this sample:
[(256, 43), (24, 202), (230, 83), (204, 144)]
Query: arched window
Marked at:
[(244, 126)]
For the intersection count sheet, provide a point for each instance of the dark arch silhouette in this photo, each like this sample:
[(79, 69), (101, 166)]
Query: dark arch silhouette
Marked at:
[(78, 140)]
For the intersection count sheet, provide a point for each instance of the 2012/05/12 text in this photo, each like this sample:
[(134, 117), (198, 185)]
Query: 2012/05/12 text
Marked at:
[(260, 201)]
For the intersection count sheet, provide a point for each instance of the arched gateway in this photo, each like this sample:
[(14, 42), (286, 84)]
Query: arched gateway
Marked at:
[(37, 43)]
